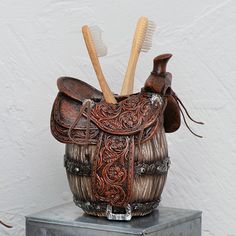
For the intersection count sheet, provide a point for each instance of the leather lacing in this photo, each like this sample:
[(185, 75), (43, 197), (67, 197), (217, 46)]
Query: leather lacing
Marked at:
[(86, 106), (180, 104)]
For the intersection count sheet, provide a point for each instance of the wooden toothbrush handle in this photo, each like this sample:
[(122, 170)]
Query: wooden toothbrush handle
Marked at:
[(128, 83), (108, 95), (140, 31)]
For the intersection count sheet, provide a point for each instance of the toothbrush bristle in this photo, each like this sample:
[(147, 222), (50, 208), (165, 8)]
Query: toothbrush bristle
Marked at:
[(147, 42), (96, 34)]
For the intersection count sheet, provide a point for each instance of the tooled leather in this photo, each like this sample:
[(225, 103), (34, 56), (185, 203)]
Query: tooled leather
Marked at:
[(64, 112), (115, 129), (126, 118), (113, 169)]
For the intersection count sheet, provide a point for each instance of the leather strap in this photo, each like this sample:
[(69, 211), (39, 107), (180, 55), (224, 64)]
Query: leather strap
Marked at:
[(112, 173)]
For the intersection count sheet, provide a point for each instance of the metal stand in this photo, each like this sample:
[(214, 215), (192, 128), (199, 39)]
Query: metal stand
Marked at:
[(69, 220)]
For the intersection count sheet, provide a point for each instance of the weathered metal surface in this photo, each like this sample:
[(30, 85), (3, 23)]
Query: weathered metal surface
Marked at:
[(137, 208), (140, 168), (67, 220)]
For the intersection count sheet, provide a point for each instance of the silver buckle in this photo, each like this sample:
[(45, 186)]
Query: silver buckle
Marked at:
[(125, 217)]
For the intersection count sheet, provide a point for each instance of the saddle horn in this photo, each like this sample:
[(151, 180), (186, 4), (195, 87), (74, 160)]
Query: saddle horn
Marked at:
[(159, 81)]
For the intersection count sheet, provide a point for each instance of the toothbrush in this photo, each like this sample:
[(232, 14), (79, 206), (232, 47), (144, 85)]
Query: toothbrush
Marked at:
[(142, 41), (96, 48)]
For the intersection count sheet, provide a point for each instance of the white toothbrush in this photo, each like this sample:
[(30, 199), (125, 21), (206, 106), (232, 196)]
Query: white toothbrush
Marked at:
[(96, 48)]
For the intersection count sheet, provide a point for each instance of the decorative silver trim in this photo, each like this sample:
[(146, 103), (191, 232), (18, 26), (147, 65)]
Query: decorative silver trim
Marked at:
[(155, 168), (76, 167), (92, 103), (102, 207), (156, 99), (113, 216), (79, 168)]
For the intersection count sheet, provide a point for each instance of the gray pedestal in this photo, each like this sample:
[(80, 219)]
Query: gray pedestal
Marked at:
[(69, 220)]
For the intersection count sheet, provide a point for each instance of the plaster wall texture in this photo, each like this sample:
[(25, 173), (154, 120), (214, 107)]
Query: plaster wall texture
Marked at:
[(42, 40)]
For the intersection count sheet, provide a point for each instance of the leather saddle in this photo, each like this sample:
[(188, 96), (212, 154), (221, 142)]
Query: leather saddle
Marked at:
[(81, 116), (123, 118), (138, 112)]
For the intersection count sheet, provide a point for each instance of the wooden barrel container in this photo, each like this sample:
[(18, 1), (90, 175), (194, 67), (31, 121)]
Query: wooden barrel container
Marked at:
[(116, 155), (150, 172)]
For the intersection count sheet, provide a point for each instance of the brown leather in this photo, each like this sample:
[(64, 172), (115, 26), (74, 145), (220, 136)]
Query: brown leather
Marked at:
[(64, 113), (113, 169), (131, 115), (160, 82), (81, 116), (172, 119), (78, 89)]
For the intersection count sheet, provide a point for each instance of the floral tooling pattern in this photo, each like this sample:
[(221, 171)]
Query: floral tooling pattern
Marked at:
[(113, 169)]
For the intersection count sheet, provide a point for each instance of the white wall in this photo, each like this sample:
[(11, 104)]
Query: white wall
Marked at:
[(41, 40)]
